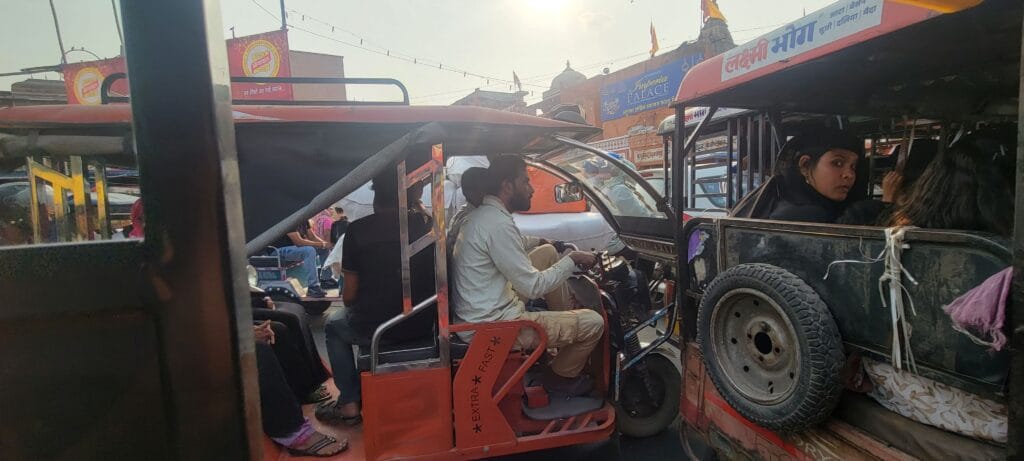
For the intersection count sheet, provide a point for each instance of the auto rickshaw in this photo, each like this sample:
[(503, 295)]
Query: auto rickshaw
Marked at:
[(439, 398), (778, 316)]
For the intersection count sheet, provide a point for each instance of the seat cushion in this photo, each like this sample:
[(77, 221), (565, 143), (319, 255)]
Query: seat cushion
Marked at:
[(406, 351)]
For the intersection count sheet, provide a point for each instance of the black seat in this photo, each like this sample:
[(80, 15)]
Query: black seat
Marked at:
[(406, 351), (410, 351), (759, 203)]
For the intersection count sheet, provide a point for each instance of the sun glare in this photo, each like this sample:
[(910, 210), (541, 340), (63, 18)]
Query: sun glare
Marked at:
[(547, 6)]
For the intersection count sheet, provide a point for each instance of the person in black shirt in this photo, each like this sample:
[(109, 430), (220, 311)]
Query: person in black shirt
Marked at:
[(371, 263), (340, 225)]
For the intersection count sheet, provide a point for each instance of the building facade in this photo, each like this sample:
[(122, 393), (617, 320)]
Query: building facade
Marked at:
[(629, 104)]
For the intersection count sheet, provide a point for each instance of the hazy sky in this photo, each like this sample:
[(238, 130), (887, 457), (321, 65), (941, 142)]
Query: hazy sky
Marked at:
[(534, 38)]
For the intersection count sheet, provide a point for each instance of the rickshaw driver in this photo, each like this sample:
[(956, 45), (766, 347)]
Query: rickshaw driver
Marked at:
[(490, 266), (542, 252)]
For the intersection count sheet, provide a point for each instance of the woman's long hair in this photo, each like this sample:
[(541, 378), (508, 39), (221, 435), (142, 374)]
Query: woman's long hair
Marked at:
[(963, 188)]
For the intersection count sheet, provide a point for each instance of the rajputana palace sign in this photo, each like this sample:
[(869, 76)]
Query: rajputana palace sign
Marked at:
[(652, 90)]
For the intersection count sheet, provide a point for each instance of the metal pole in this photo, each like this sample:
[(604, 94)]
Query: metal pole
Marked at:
[(747, 183), (60, 41), (208, 405), (730, 126), (284, 17), (1015, 447), (117, 23)]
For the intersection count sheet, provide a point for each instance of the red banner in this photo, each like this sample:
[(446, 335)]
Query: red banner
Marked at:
[(83, 80), (261, 55)]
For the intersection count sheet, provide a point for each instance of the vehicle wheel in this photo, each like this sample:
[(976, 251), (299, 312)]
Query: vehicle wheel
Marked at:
[(771, 347), (636, 415)]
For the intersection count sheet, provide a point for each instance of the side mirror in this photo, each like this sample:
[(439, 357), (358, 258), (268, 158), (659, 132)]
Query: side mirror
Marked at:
[(568, 193)]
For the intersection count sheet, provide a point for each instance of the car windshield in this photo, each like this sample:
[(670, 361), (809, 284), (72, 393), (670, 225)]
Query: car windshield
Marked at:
[(623, 195)]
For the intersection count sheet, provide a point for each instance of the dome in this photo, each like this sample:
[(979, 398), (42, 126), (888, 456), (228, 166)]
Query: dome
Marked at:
[(567, 78)]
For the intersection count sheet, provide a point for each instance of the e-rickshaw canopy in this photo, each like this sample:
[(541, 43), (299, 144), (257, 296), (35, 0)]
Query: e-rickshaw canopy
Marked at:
[(288, 155), (872, 57)]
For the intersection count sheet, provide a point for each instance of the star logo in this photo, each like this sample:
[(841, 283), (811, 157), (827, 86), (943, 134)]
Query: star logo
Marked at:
[(495, 340), (476, 380), (477, 428)]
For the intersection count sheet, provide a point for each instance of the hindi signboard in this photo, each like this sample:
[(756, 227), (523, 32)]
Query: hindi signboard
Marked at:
[(652, 90), (834, 22)]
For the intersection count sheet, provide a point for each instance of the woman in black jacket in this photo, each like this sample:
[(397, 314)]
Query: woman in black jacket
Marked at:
[(820, 176)]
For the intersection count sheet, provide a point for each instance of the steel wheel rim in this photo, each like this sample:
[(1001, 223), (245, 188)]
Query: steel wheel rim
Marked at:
[(755, 346)]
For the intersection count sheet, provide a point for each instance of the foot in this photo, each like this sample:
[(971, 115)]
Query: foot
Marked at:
[(316, 292), (566, 387), (334, 412), (319, 445), (318, 395)]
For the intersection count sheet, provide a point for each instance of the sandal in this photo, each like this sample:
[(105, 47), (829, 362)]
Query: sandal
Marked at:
[(314, 448), (318, 395), (330, 413)]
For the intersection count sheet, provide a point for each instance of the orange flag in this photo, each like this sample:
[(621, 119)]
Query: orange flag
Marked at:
[(654, 40), (709, 8)]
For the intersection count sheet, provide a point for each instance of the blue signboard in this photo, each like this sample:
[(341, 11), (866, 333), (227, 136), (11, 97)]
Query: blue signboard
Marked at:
[(652, 90)]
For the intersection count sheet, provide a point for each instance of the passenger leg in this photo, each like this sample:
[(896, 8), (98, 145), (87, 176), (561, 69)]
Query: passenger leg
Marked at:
[(287, 348), (308, 257), (295, 318), (575, 334), (543, 257), (340, 339), (282, 416)]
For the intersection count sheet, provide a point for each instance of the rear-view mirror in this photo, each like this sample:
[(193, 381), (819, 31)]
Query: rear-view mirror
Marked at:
[(568, 193)]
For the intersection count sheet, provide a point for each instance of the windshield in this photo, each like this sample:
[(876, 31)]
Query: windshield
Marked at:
[(623, 195)]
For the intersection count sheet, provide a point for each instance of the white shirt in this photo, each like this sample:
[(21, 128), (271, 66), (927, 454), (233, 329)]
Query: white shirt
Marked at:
[(490, 265), (456, 225)]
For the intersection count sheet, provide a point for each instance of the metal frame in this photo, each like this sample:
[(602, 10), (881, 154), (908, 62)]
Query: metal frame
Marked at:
[(587, 191), (194, 235), (663, 206), (108, 82), (75, 184), (434, 169)]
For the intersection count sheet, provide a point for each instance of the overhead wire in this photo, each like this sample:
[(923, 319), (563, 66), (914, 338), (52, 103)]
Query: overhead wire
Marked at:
[(387, 52), (374, 47)]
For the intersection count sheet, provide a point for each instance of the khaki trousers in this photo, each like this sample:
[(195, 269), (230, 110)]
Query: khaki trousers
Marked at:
[(542, 258), (574, 333)]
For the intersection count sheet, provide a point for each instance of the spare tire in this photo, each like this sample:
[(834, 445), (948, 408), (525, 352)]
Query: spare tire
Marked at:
[(771, 347)]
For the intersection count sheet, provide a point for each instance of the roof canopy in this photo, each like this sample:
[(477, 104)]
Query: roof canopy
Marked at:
[(872, 57), (288, 155)]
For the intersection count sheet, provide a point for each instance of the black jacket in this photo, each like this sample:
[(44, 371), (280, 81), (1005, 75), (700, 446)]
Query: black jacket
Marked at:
[(799, 201)]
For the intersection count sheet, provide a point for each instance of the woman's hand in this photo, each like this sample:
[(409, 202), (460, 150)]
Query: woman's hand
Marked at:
[(263, 333), (890, 186)]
